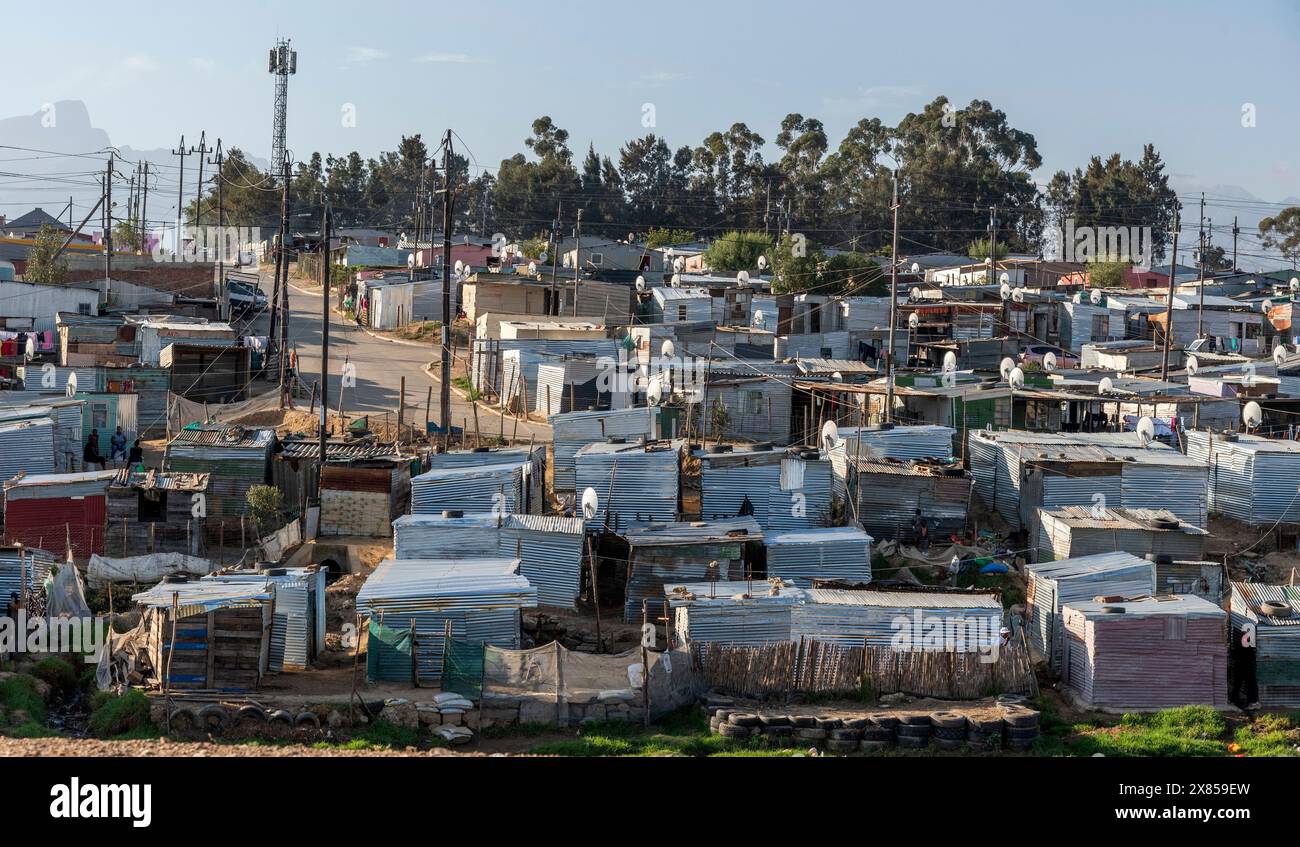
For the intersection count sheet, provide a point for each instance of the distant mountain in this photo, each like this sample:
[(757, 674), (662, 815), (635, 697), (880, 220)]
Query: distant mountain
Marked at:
[(1222, 203)]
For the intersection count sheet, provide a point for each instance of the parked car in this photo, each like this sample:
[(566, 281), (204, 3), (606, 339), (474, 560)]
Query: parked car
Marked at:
[(1065, 360)]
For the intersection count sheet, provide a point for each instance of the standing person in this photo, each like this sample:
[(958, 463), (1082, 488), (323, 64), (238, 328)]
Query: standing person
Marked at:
[(1245, 685), (921, 531), (117, 447), (136, 457), (90, 454)]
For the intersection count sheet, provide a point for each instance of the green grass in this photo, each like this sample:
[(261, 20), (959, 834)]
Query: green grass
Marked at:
[(1186, 731), (463, 383), (684, 732), (20, 702), (113, 714), (517, 730), (56, 671), (1269, 736)]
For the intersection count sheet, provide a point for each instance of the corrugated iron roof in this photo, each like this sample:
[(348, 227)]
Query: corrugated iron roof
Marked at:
[(1167, 604), (225, 436), (336, 450), (1086, 517), (1256, 594), (694, 532), (153, 479), (904, 599)]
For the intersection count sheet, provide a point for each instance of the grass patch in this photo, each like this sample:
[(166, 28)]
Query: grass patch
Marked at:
[(382, 733), (119, 714), (517, 730), (56, 671), (20, 702), (1268, 736), (463, 383), (684, 732), (31, 729)]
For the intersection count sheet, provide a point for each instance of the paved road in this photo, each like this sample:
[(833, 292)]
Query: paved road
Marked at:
[(380, 366)]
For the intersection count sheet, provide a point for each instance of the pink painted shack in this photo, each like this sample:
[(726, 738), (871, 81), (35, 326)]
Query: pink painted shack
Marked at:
[(1146, 654)]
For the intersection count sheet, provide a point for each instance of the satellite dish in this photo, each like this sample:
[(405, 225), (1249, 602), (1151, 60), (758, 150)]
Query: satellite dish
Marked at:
[(72, 383), (914, 294), (679, 264), (1279, 353), (837, 377), (675, 281), (543, 256), (410, 260), (1018, 295), (669, 349), (1008, 364), (762, 263), (590, 504), (1146, 430), (950, 361), (742, 279), (1266, 306), (916, 269), (1005, 292), (1105, 386), (913, 320), (460, 266), (1004, 278), (532, 268), (1016, 378), (1252, 415), (759, 322), (1295, 283), (565, 261), (830, 435), (654, 392), (1095, 296), (640, 283), (1049, 361), (1078, 296), (1192, 365)]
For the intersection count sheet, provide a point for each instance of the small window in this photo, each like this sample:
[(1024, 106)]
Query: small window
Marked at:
[(83, 308), (152, 506), (596, 258), (682, 313), (99, 416), (753, 402)]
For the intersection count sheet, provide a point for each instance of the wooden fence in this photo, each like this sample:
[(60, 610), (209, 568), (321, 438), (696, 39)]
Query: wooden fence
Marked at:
[(815, 667)]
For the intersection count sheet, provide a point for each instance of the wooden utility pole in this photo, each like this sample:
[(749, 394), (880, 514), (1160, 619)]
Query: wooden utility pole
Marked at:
[(221, 225), (893, 310), (1235, 233), (203, 150), (181, 151), (1200, 263), (1169, 306), (281, 287), (577, 261), (144, 205), (324, 334), (444, 390), (108, 227)]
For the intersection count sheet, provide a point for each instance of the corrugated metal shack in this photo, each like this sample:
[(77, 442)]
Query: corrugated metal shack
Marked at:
[(1075, 531), (549, 549), (1251, 479), (635, 482), (1277, 639), (235, 458), (153, 512), (488, 361), (104, 413), (885, 496), (534, 455), (567, 385), (151, 385), (65, 417), (26, 570), (681, 304), (744, 612), (838, 553), (1018, 472), (1153, 653), (1051, 585), (295, 469), (1206, 580), (876, 617), (27, 446), (362, 496), (660, 554), (758, 407), (786, 489), (297, 613), (497, 489), (480, 598), (58, 510), (223, 633), (86, 340), (574, 430), (208, 373)]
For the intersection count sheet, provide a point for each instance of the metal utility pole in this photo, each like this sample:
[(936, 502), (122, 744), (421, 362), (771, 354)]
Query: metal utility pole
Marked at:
[(203, 150), (1169, 306), (444, 390), (555, 258), (282, 63), (221, 223), (1200, 266), (144, 206), (283, 344), (893, 310), (577, 260), (182, 151), (324, 329), (482, 227), (108, 227)]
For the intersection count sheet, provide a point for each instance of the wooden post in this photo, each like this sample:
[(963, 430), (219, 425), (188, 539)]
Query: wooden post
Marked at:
[(645, 663), (415, 670), (221, 542), (595, 591), (428, 407), (167, 673), (124, 544), (315, 387), (401, 410), (356, 653), (477, 437)]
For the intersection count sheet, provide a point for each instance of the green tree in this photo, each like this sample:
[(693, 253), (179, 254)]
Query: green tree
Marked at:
[(42, 266), (1107, 274), (663, 236), (979, 249), (852, 274), (1282, 232), (738, 251), (265, 503), (795, 266)]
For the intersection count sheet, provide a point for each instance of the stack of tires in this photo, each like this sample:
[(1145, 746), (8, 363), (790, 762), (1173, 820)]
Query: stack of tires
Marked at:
[(1020, 727), (949, 729), (879, 733), (914, 732), (984, 733)]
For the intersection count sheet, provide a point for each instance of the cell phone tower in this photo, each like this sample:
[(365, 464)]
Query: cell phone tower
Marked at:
[(283, 62)]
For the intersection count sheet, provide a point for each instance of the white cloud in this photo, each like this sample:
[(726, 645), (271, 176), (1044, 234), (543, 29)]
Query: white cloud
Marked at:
[(457, 58), (139, 62), (365, 54)]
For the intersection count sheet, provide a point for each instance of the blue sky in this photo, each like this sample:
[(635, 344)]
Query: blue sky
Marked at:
[(1084, 78)]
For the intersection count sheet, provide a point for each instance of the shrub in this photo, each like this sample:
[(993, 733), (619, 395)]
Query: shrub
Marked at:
[(57, 671), (113, 714), (19, 700)]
